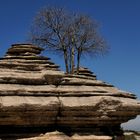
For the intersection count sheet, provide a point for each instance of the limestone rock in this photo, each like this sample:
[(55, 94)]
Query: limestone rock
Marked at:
[(61, 136), (35, 95), (86, 72), (132, 136), (91, 137), (50, 136), (24, 49)]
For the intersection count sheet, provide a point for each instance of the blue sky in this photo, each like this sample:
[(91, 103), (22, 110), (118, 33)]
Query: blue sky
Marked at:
[(119, 24)]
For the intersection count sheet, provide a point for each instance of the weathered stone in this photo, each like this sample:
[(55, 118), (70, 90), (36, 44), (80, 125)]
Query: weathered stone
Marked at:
[(132, 136), (35, 95), (24, 49), (91, 137), (50, 136), (85, 72), (61, 136)]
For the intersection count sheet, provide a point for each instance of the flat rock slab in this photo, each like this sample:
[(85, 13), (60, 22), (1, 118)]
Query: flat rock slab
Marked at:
[(61, 136)]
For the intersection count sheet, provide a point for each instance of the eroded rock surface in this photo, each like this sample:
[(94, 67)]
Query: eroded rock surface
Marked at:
[(61, 136), (35, 94)]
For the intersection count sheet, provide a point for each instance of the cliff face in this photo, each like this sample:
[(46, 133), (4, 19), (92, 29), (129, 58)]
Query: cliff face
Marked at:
[(36, 95)]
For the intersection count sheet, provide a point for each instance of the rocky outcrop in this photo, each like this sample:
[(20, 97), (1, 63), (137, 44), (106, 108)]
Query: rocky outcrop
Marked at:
[(36, 96)]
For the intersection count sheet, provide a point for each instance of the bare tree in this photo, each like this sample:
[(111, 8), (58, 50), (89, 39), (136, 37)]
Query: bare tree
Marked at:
[(50, 30), (67, 33), (86, 39)]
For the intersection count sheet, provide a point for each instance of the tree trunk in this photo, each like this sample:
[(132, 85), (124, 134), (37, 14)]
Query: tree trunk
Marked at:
[(78, 60), (66, 61), (72, 60)]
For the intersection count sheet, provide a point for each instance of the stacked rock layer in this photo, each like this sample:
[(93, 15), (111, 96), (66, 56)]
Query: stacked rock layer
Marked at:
[(36, 95)]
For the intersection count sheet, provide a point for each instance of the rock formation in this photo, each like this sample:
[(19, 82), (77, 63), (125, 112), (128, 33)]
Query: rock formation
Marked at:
[(35, 96)]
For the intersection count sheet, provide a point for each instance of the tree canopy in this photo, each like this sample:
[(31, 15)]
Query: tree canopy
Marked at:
[(68, 33)]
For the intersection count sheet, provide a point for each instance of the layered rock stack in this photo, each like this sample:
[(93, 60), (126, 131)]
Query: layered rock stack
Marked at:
[(85, 72), (35, 96)]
